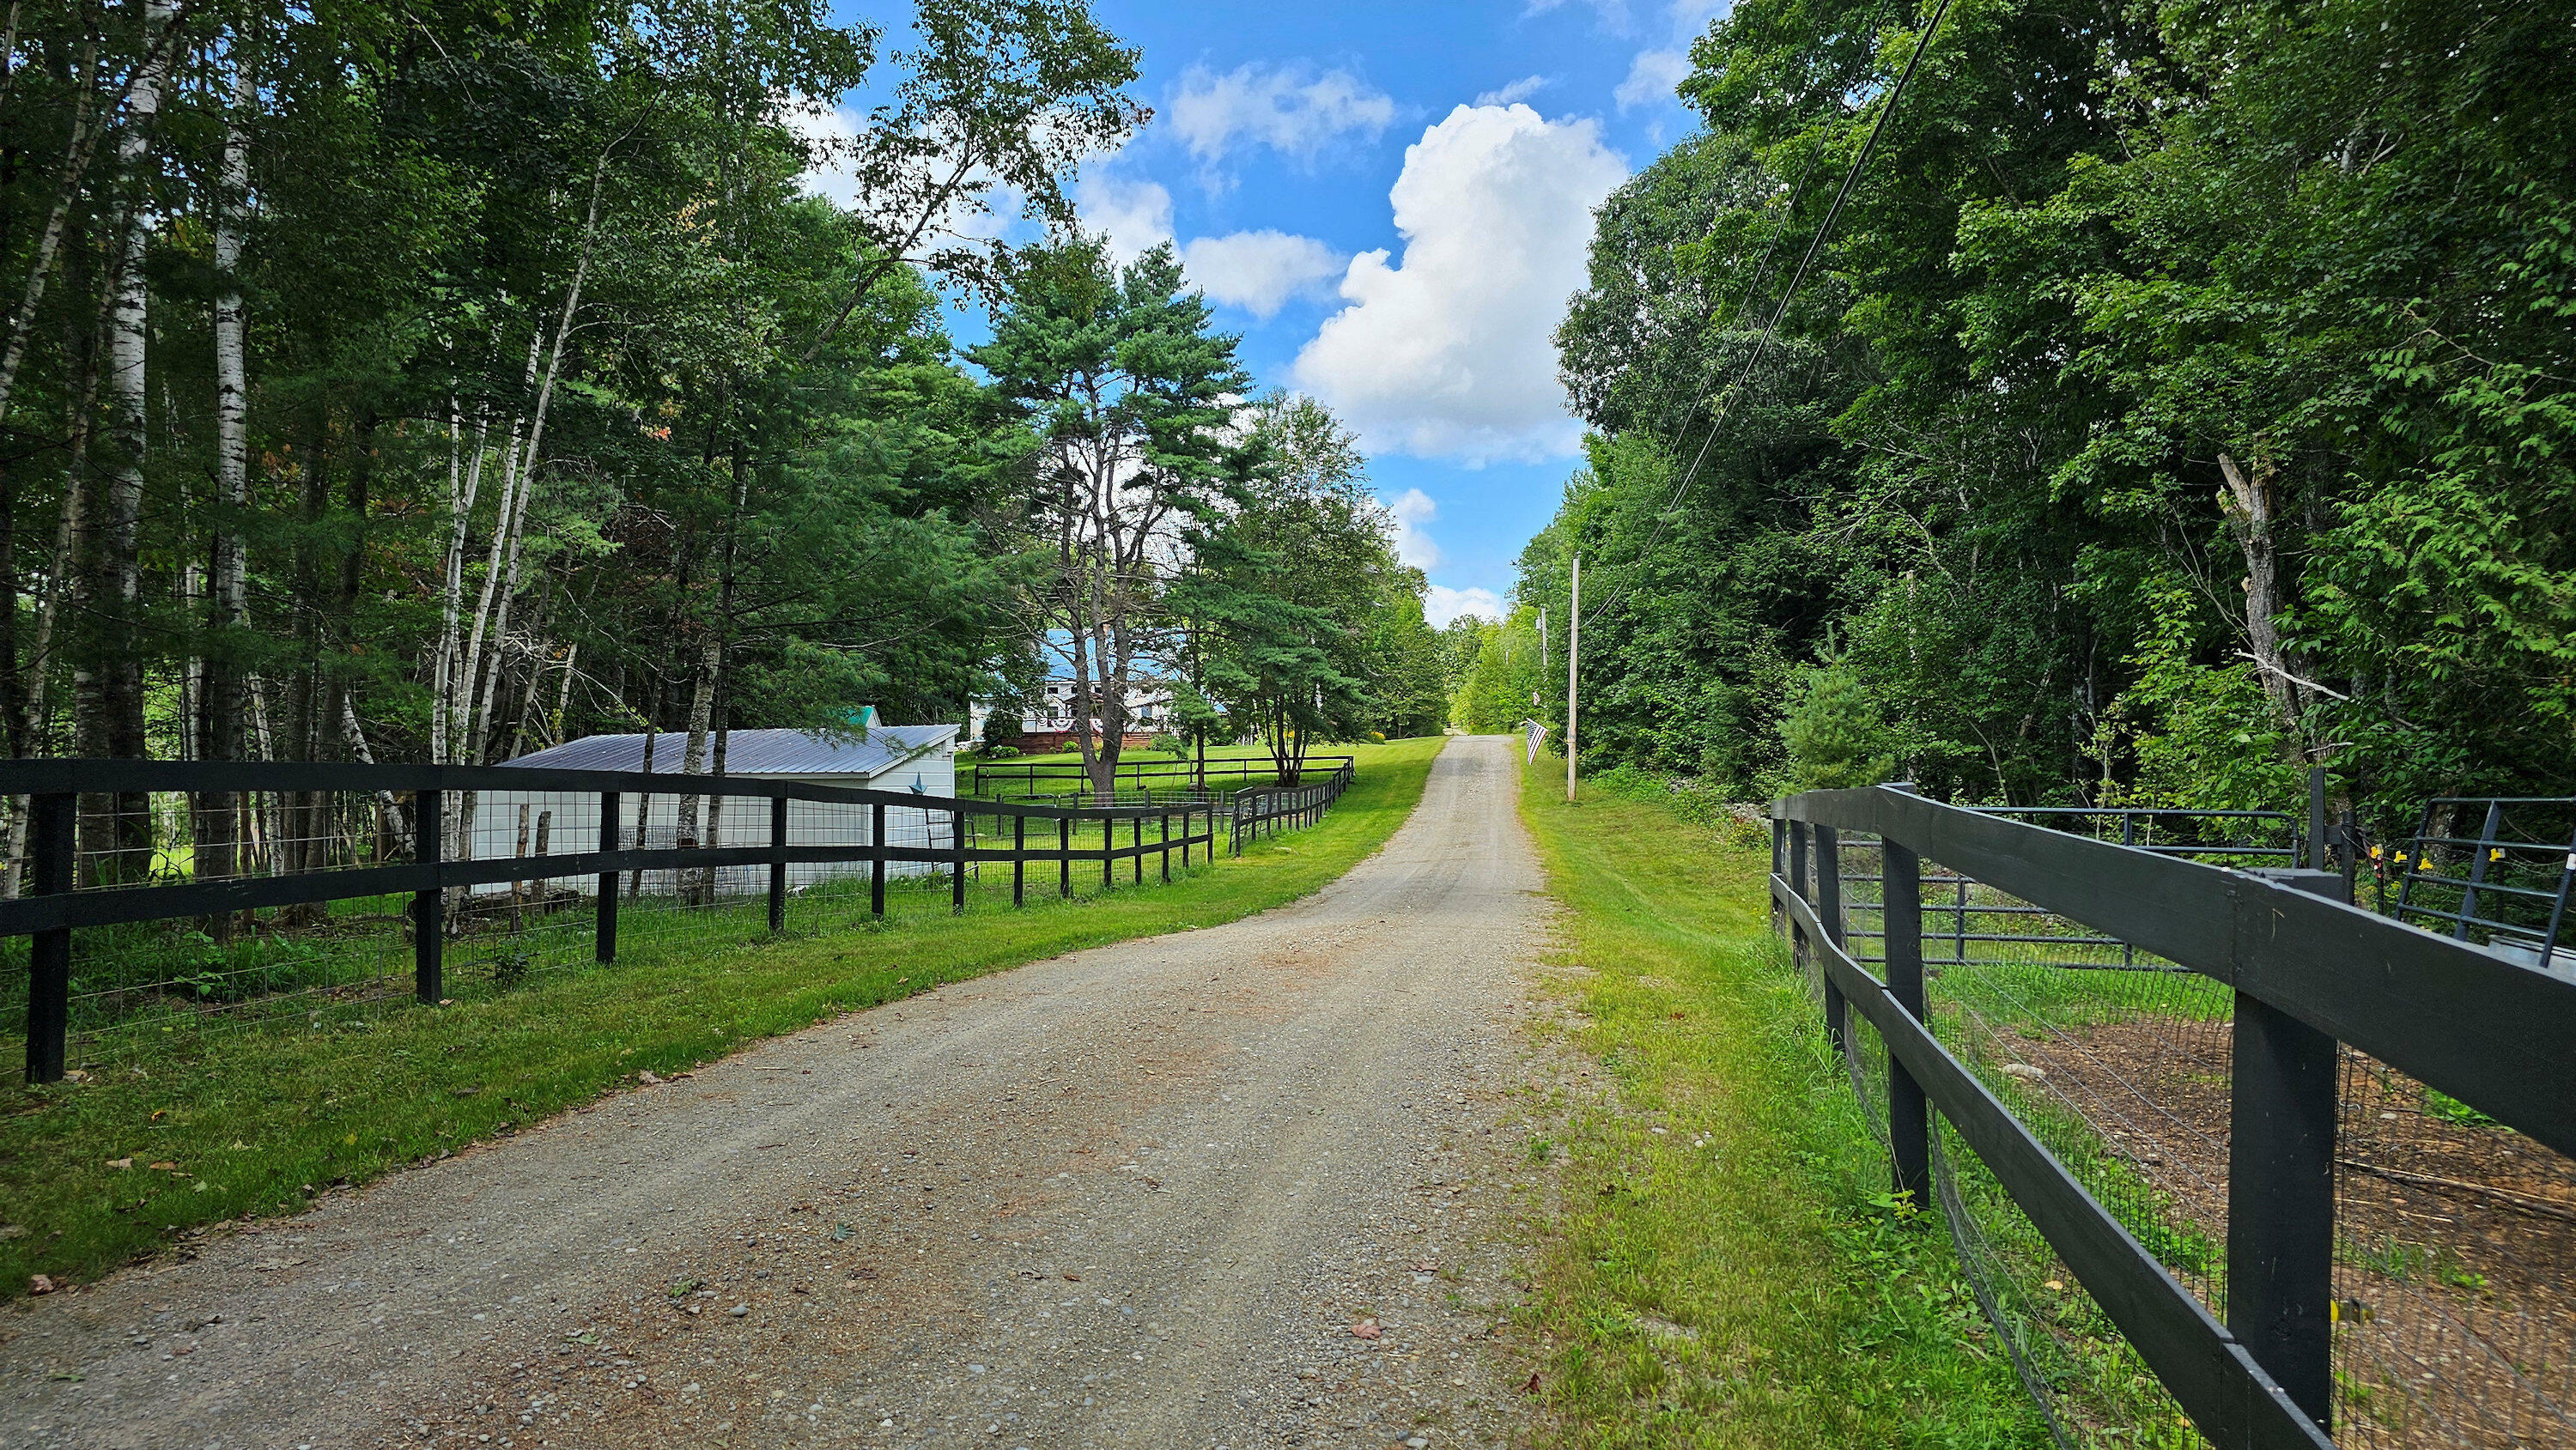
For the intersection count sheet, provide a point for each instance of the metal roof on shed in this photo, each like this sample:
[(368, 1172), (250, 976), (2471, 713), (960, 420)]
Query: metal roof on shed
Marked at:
[(754, 752)]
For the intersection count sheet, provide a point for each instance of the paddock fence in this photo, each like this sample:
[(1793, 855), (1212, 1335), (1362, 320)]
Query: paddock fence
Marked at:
[(2227, 1160), (162, 898), (1268, 812), (1034, 777)]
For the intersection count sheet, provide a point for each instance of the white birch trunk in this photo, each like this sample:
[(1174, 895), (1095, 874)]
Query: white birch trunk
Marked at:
[(524, 466), (128, 342)]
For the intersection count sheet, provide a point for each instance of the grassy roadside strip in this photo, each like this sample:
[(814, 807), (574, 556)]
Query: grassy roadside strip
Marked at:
[(258, 1122), (1730, 1268)]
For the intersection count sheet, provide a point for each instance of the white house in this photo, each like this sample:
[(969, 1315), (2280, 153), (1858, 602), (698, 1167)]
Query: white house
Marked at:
[(916, 760), (1049, 721)]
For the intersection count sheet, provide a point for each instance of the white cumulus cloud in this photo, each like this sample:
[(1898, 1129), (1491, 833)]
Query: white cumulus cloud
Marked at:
[(1412, 509), (1447, 352), (1259, 271), (1133, 214), (1441, 604), (1651, 78), (828, 133), (1291, 109), (1658, 69), (1519, 90)]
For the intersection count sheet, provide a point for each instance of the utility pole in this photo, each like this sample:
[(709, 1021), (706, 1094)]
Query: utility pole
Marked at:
[(1573, 653)]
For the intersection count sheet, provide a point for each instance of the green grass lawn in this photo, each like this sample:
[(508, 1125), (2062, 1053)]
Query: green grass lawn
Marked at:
[(1744, 1277), (258, 1121)]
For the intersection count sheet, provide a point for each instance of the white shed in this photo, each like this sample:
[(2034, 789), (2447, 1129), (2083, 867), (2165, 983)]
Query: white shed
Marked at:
[(914, 760)]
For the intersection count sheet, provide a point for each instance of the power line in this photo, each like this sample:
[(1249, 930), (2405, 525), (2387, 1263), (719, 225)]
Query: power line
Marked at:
[(1762, 345)]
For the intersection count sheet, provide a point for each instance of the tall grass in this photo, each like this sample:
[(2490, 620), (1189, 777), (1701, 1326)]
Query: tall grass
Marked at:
[(1731, 1267)]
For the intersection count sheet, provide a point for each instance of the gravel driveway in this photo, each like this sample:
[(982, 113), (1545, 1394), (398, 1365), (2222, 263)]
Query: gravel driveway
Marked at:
[(1246, 1186)]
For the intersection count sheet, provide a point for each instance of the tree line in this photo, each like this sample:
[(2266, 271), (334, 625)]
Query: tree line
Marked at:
[(441, 382), (2184, 395)]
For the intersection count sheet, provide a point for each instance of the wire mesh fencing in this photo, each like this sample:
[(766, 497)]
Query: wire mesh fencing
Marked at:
[(2450, 1324)]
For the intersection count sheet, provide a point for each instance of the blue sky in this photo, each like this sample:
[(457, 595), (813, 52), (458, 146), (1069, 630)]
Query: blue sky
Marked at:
[(1390, 202)]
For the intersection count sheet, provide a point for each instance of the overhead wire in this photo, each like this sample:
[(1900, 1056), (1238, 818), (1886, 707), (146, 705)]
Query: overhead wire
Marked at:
[(1762, 345)]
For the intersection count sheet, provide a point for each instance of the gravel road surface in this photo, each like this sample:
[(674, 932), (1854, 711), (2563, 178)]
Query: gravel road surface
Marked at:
[(1245, 1186)]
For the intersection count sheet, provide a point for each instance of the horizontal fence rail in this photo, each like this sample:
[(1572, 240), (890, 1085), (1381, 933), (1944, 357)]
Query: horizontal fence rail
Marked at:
[(455, 854), (1030, 775), (1271, 811), (2224, 1165)]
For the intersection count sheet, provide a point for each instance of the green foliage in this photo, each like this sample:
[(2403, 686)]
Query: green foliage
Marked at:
[(1307, 614), (1835, 737), (563, 407), (1130, 396), (1984, 448), (1503, 671)]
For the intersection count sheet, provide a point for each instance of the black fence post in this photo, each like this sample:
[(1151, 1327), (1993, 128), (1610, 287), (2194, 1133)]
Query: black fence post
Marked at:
[(429, 908), (1019, 860), (1798, 886), (55, 848), (2280, 1189), (1167, 848), (876, 860), (777, 865), (1064, 857), (1909, 1124), (1136, 842), (957, 861), (1779, 860), (1829, 912), (2318, 856), (611, 837)]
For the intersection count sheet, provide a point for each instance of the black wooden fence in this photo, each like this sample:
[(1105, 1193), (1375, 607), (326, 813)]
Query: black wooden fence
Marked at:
[(2324, 1005), (1032, 775), (389, 844), (1271, 811)]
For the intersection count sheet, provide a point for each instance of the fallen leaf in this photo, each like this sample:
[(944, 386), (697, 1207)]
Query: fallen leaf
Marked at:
[(166, 1167), (648, 1079), (1532, 1387), (159, 1113), (120, 1164), (1366, 1329), (1073, 1278), (39, 1284)]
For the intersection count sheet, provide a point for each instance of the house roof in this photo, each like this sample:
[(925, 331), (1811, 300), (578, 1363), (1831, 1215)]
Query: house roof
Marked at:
[(754, 752)]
